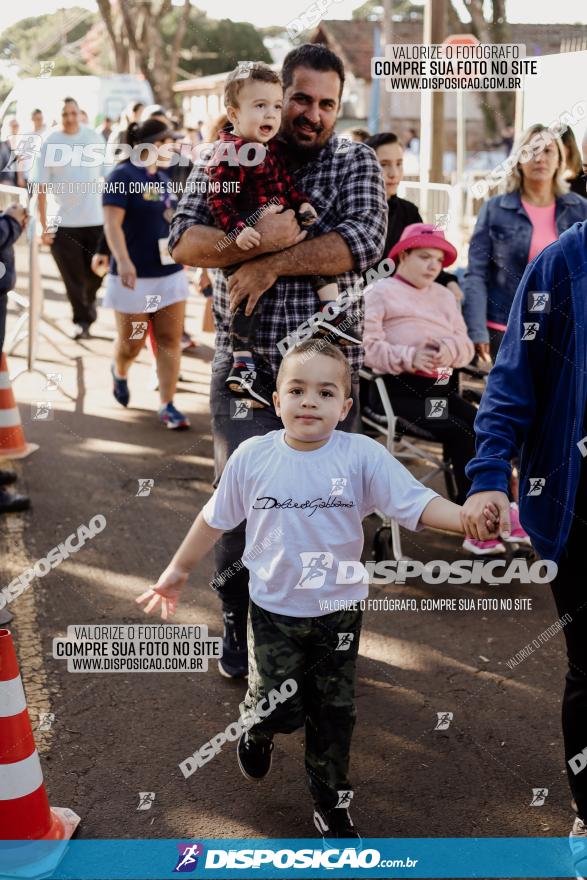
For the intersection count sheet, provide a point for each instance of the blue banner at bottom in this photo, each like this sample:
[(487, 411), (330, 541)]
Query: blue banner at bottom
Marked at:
[(481, 857)]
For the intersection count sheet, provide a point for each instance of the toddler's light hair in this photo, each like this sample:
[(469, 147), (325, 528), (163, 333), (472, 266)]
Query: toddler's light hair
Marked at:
[(252, 70)]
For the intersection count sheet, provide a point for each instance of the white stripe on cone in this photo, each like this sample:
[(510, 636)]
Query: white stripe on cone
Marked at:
[(21, 778), (4, 381), (9, 418), (12, 699)]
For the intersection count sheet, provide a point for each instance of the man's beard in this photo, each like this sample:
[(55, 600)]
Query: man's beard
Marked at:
[(301, 150)]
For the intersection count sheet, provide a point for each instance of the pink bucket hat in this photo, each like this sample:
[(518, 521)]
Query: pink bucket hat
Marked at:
[(424, 235)]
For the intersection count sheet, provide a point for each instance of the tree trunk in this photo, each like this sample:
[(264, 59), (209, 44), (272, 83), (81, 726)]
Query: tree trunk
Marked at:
[(490, 101), (140, 33)]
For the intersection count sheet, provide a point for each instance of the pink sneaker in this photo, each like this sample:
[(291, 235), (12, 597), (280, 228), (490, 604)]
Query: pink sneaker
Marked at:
[(492, 547), (517, 534)]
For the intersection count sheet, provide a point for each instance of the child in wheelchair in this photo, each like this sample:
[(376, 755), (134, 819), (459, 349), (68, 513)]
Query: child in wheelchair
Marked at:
[(416, 337)]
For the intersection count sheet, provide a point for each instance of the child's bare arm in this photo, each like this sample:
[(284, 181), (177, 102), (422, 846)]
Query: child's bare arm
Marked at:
[(197, 543), (442, 514)]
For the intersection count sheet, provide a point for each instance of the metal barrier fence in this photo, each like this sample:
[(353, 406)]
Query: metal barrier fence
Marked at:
[(30, 305), (454, 208)]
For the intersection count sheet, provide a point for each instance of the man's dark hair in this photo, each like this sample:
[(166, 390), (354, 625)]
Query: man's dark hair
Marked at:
[(70, 100), (315, 57), (380, 140), (36, 110)]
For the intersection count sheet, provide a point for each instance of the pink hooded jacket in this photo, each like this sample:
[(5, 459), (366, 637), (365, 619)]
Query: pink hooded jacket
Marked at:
[(399, 317)]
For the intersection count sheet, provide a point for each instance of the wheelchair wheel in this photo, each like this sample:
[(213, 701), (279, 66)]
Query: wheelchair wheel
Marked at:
[(382, 544)]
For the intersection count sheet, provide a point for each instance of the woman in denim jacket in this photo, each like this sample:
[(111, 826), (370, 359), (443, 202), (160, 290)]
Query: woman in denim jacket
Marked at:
[(514, 228)]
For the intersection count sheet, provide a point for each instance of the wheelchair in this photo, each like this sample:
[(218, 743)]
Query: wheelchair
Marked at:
[(408, 443)]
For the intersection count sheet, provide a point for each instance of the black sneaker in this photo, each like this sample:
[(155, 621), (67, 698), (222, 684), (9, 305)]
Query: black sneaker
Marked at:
[(7, 478), (13, 503), (234, 660), (254, 759), (335, 824), (338, 329), (255, 385)]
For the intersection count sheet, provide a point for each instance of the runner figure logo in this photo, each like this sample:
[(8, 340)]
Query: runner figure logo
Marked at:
[(436, 408), (345, 641), (139, 328), (54, 380), (538, 301), (152, 301), (536, 485), (539, 795), (244, 69), (145, 487), (530, 331), (444, 719), (146, 799), (441, 222), (53, 222), (46, 719), (43, 411), (187, 859), (314, 566), (249, 376), (443, 374), (344, 799), (47, 68), (240, 409), (338, 485)]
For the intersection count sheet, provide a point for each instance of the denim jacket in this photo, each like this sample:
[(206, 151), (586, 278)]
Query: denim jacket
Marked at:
[(498, 256)]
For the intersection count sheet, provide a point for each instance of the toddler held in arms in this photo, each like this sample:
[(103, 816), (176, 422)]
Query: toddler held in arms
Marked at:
[(240, 193)]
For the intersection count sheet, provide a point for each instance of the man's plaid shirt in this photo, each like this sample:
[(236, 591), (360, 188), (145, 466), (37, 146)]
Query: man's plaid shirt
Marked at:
[(345, 185)]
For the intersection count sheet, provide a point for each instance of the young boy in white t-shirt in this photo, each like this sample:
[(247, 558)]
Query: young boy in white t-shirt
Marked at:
[(311, 486)]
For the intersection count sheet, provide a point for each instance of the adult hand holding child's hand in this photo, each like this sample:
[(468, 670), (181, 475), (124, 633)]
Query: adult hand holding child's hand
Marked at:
[(167, 591), (487, 514)]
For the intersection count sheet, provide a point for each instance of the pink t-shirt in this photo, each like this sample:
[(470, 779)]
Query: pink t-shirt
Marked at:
[(544, 230)]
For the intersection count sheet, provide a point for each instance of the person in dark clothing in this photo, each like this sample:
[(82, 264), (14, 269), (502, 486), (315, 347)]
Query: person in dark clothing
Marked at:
[(12, 223), (535, 404), (401, 212)]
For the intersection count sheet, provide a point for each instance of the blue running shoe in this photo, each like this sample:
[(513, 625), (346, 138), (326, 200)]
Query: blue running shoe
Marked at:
[(120, 388), (172, 418)]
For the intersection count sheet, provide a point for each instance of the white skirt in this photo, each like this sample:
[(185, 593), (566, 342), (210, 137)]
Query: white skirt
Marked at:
[(150, 294)]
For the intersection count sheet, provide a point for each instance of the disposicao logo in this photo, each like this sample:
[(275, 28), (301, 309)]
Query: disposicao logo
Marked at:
[(187, 859)]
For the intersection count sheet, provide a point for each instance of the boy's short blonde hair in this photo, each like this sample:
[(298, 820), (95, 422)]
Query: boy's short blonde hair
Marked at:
[(245, 72), (311, 347)]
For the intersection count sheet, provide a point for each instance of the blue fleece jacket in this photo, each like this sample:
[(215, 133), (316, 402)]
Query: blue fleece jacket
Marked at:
[(534, 403)]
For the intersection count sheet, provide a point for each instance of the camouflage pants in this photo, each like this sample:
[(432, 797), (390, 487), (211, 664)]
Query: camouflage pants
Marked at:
[(307, 649)]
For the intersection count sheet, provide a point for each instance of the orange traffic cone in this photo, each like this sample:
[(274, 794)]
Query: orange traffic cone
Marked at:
[(25, 814), (12, 442)]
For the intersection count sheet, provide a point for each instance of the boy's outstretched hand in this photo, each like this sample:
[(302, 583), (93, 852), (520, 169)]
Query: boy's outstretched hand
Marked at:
[(167, 591)]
